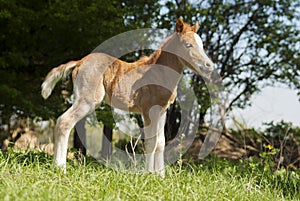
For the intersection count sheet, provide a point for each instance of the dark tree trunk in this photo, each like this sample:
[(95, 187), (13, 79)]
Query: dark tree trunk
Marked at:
[(106, 142), (201, 125), (80, 137), (173, 120)]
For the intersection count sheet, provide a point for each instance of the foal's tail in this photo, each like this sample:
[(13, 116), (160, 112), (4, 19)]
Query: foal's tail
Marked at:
[(55, 75)]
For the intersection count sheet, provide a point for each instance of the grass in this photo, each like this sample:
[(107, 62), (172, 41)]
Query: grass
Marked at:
[(29, 176)]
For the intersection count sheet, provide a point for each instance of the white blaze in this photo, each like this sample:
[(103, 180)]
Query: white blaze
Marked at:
[(201, 51), (199, 42)]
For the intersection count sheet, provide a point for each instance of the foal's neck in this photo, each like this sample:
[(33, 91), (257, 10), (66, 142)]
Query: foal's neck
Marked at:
[(170, 60), (164, 57)]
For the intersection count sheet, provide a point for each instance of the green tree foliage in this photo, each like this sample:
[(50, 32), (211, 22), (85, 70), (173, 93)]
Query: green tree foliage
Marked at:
[(141, 13), (252, 42), (38, 35)]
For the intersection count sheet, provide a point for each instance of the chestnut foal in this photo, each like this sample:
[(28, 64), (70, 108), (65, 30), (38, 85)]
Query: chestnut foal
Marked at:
[(132, 87)]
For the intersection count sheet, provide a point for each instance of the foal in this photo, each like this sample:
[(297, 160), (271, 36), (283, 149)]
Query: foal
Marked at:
[(132, 87)]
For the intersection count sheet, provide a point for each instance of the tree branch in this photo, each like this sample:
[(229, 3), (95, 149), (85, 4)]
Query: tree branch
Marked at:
[(246, 89), (236, 39)]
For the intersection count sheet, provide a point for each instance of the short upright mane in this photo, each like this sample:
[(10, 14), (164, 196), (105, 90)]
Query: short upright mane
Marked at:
[(155, 55)]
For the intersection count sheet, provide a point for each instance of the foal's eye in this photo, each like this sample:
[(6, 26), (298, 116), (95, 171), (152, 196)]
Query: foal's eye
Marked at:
[(189, 45)]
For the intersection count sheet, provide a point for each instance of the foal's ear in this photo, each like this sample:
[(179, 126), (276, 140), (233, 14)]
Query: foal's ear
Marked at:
[(195, 27), (179, 25)]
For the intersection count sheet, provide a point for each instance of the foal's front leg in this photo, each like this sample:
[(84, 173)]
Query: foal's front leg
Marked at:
[(160, 146), (150, 146), (155, 140)]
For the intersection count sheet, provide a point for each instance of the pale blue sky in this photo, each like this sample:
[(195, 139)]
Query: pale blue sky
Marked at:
[(273, 103)]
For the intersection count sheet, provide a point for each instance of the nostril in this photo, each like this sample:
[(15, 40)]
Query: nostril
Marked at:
[(208, 65)]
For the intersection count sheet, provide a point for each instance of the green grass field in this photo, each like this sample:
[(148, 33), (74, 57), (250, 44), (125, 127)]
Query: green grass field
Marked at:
[(30, 176)]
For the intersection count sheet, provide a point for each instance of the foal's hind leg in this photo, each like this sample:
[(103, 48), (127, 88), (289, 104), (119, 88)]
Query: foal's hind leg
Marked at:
[(64, 125)]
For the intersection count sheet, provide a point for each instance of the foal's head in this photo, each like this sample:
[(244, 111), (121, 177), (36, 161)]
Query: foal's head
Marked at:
[(189, 48)]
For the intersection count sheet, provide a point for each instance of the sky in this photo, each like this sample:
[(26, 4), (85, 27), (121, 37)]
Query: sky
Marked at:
[(271, 104)]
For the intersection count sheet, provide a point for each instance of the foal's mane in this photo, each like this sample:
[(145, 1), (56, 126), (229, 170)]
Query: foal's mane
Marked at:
[(145, 60)]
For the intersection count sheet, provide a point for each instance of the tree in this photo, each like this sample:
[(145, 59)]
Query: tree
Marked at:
[(252, 43), (36, 36), (39, 35)]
